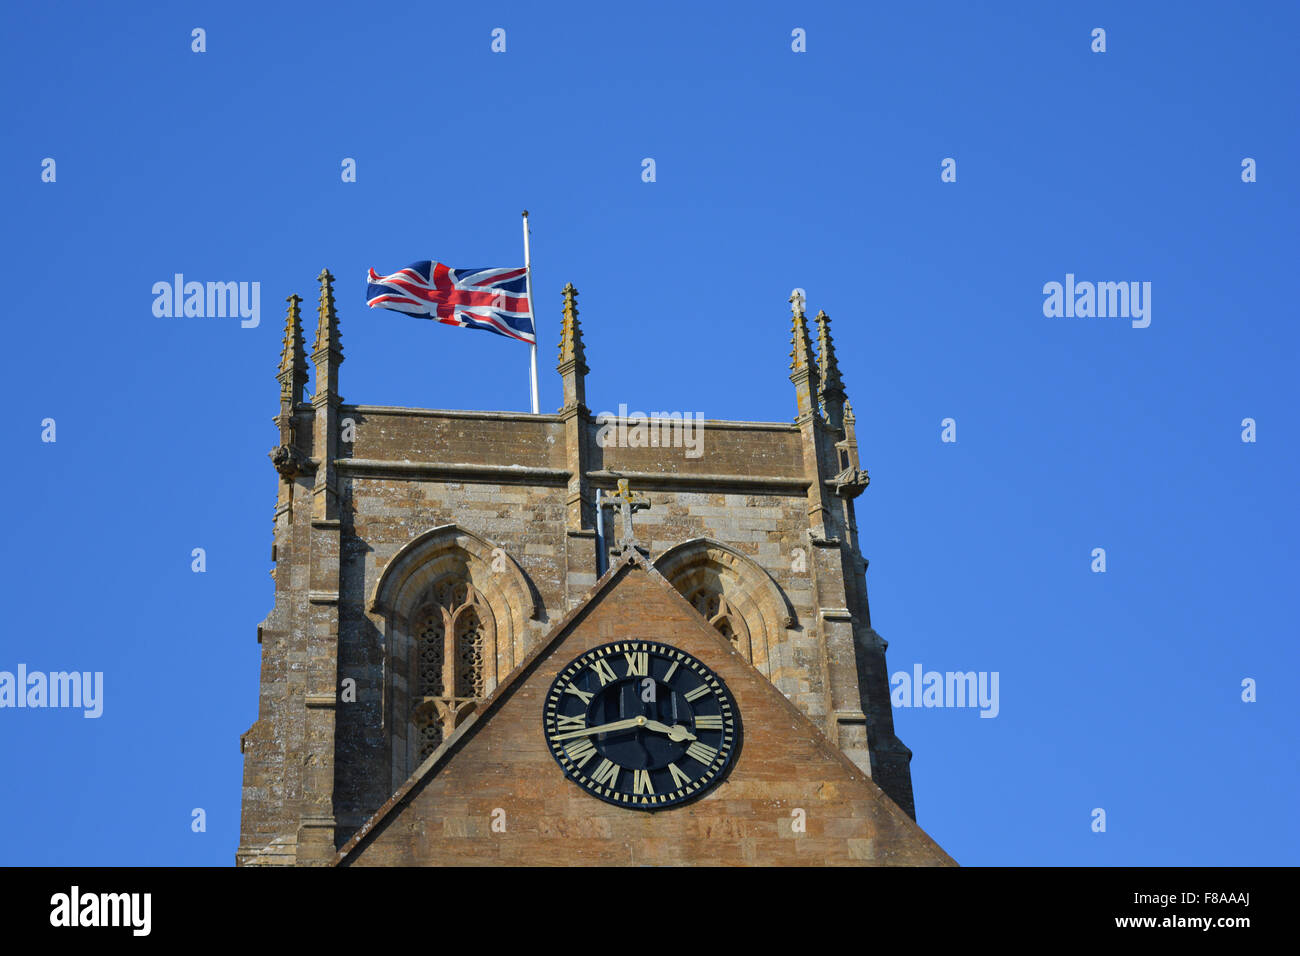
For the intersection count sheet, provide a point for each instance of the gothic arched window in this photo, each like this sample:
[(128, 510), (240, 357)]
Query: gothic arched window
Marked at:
[(733, 593), (448, 604), (454, 644), (709, 600)]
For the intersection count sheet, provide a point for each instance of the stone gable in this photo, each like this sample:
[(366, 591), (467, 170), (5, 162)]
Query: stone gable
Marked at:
[(499, 763)]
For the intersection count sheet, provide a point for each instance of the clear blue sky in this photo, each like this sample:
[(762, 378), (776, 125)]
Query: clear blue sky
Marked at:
[(774, 170)]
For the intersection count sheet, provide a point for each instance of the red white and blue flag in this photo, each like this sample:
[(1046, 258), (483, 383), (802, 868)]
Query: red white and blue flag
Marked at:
[(491, 299)]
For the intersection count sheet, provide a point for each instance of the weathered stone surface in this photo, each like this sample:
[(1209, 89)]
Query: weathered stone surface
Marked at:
[(500, 765), (384, 509)]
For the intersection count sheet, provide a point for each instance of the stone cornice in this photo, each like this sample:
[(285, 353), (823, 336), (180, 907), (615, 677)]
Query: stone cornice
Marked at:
[(671, 480), (450, 413), (602, 418), (454, 471), (556, 417)]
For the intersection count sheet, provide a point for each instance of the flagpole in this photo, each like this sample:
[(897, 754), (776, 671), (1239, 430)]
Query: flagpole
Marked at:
[(528, 286)]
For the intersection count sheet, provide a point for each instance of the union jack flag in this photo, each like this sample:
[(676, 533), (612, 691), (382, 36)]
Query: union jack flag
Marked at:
[(491, 299)]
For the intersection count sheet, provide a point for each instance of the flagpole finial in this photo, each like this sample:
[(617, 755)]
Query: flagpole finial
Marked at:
[(525, 213)]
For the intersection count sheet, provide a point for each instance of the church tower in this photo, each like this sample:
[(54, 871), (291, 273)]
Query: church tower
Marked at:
[(508, 638)]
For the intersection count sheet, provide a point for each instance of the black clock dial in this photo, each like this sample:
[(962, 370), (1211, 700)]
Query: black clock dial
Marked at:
[(640, 724)]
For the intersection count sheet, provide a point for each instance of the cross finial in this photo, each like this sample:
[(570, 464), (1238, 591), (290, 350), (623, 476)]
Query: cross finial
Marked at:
[(629, 502)]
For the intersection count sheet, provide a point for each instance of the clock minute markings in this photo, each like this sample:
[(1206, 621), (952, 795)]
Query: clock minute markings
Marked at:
[(696, 694), (574, 737)]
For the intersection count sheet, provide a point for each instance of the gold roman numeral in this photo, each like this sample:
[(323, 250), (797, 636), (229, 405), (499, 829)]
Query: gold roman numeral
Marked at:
[(606, 775), (580, 751), (701, 752), (679, 779), (585, 697), (709, 722), (641, 782), (580, 722), (638, 664), (603, 671), (697, 693)]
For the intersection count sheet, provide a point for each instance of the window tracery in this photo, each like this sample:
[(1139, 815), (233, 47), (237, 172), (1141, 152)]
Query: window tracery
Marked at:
[(454, 642)]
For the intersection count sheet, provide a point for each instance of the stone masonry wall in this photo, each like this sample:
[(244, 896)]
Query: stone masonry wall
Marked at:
[(503, 477)]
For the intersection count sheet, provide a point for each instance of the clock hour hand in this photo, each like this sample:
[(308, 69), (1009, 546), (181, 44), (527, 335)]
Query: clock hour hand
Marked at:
[(676, 733), (601, 728)]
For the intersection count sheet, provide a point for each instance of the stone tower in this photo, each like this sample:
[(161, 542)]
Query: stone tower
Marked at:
[(434, 567)]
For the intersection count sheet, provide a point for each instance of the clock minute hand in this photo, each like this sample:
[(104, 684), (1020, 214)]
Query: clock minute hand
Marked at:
[(601, 728)]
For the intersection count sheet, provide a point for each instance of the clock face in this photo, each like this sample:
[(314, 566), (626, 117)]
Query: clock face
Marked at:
[(641, 724)]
